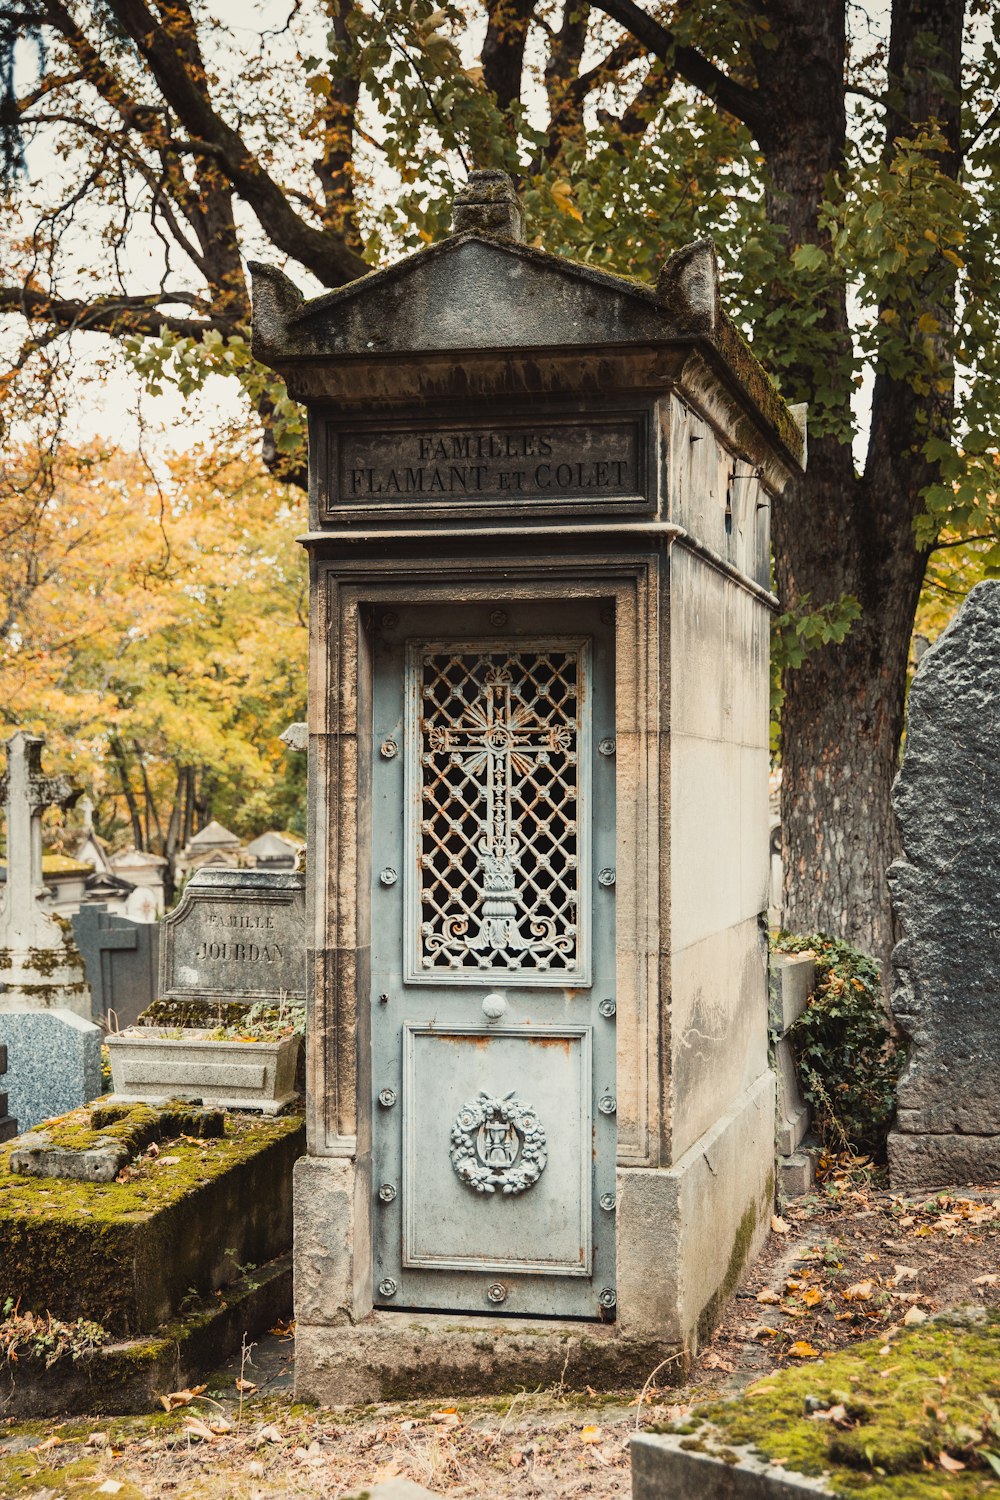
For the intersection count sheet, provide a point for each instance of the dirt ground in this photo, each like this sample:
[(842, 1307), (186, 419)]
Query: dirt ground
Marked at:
[(844, 1266)]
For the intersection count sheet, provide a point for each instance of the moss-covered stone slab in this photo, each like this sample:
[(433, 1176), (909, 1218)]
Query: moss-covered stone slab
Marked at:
[(128, 1253), (906, 1419), (97, 1151), (129, 1376)]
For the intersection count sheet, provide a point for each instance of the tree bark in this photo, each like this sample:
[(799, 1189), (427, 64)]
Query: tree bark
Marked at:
[(835, 532)]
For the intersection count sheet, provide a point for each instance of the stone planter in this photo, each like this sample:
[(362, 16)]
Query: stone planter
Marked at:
[(148, 1065)]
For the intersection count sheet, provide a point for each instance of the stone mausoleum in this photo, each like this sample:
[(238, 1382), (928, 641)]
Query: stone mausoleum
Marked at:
[(541, 1119)]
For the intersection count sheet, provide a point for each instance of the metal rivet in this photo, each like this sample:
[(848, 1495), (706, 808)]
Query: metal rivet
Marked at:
[(607, 1297), (387, 1098), (387, 1192), (608, 1202), (607, 1008), (607, 1104), (498, 618), (388, 749), (607, 746), (494, 1007), (389, 620), (387, 1287), (606, 877), (388, 876), (496, 1292)]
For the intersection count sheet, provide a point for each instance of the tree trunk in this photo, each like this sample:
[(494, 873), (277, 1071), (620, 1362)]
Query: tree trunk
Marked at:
[(837, 533)]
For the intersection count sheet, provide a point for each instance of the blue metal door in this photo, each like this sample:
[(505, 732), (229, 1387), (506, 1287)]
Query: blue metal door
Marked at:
[(493, 1046)]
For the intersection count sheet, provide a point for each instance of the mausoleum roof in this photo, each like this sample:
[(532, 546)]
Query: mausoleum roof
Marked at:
[(213, 835), (480, 292)]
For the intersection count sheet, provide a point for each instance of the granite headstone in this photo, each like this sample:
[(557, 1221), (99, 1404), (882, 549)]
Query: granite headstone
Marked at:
[(236, 935), (8, 1126), (54, 1062), (946, 969), (121, 959)]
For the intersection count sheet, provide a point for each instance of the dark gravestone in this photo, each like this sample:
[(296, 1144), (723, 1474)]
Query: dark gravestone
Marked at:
[(8, 1127), (121, 959), (236, 936), (946, 986)]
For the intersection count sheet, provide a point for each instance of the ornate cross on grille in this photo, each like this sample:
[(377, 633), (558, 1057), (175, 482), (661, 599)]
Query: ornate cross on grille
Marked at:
[(497, 737)]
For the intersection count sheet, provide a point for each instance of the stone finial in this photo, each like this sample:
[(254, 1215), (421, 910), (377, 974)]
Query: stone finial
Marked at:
[(276, 300), (688, 288), (296, 736), (488, 204)]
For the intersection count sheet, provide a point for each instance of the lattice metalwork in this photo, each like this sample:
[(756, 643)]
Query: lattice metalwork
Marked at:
[(499, 735)]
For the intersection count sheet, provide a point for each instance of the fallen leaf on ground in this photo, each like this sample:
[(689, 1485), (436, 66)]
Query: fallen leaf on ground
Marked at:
[(991, 1280), (802, 1350), (779, 1225), (97, 1440), (591, 1435), (447, 1417), (714, 1361), (181, 1398), (50, 1442), (951, 1465), (915, 1315), (255, 1469), (270, 1434), (245, 1386), (195, 1427), (110, 1487), (811, 1296), (769, 1298), (904, 1273), (861, 1291)]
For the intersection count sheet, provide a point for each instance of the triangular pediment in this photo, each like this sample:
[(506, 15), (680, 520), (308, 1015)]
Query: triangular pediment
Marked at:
[(470, 291)]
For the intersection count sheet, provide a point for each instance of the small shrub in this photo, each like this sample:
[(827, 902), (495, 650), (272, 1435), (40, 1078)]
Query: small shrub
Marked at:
[(846, 1057), (29, 1336)]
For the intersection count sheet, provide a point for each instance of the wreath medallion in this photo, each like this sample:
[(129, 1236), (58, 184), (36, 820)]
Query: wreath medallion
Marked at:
[(498, 1143)]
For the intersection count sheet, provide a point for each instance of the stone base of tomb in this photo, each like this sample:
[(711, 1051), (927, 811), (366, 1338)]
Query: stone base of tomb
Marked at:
[(130, 1376), (686, 1234), (953, 1160), (399, 1356)]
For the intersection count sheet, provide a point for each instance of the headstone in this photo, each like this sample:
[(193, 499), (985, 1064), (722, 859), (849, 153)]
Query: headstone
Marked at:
[(39, 963), (946, 969), (236, 935), (538, 824), (54, 1063), (793, 978), (121, 958), (8, 1125)]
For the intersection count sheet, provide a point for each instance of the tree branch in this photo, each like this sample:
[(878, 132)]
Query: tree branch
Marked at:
[(111, 314), (745, 104), (321, 251)]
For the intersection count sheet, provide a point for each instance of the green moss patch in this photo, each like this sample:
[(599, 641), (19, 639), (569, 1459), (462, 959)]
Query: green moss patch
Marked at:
[(877, 1419), (128, 1253)]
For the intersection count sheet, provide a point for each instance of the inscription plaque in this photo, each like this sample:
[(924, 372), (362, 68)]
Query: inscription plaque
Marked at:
[(236, 935), (571, 462)]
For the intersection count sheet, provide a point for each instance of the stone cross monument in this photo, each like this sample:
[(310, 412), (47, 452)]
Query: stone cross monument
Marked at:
[(39, 964), (52, 1047), (541, 1119)]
